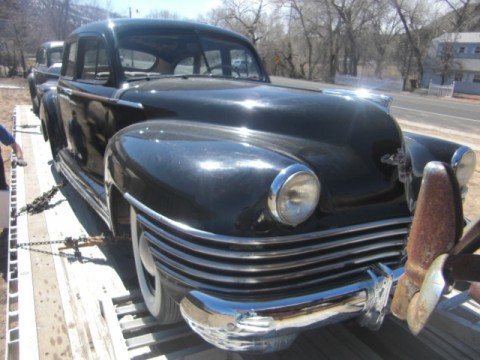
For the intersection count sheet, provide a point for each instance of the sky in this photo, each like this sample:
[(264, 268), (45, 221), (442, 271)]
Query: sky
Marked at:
[(190, 9)]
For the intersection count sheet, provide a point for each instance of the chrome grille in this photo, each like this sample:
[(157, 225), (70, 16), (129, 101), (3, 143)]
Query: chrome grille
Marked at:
[(267, 266)]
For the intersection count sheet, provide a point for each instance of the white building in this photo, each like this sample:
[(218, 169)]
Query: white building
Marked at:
[(454, 57)]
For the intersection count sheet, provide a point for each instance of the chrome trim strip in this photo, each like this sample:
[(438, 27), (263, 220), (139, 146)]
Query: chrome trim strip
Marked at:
[(274, 281), (85, 95), (317, 235), (131, 104), (105, 99), (273, 253), (81, 186)]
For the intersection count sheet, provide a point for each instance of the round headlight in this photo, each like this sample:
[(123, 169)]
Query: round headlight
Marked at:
[(463, 164), (294, 195)]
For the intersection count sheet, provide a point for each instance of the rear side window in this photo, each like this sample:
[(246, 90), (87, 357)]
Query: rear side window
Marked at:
[(94, 62)]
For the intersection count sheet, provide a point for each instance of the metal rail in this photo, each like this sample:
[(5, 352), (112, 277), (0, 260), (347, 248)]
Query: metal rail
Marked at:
[(20, 335), (134, 332)]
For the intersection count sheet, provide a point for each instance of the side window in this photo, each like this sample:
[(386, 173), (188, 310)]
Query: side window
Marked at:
[(185, 67), (243, 64), (94, 61), (71, 57), (214, 59), (138, 63)]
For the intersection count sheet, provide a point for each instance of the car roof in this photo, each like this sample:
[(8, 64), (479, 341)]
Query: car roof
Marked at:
[(52, 44), (118, 25)]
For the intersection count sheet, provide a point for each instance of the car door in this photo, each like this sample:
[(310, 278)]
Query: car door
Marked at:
[(85, 92)]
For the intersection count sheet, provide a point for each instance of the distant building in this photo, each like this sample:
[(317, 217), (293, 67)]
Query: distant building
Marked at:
[(454, 57)]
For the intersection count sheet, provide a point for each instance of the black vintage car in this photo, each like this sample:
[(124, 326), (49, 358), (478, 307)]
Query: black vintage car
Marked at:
[(44, 74), (255, 211)]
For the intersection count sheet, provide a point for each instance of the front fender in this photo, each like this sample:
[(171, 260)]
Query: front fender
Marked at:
[(31, 85), (212, 178), (421, 149)]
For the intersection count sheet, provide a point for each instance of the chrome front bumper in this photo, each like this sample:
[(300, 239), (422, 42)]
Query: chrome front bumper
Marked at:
[(263, 327)]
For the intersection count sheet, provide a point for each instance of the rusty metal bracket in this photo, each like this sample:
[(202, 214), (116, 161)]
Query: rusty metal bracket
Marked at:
[(436, 228), (437, 256)]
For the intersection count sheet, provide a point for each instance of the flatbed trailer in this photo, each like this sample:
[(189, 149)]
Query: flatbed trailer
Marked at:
[(83, 302)]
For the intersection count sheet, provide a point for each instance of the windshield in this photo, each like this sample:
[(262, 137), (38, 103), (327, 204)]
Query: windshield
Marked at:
[(55, 56), (185, 54)]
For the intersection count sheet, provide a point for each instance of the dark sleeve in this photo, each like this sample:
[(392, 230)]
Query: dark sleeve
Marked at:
[(5, 137)]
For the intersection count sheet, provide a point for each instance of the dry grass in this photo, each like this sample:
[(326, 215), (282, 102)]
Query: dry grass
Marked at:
[(9, 97)]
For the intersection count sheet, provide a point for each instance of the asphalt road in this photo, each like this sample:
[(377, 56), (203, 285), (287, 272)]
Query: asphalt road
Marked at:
[(455, 114)]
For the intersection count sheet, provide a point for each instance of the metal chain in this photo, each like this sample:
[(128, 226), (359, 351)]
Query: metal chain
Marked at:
[(26, 126), (40, 203), (76, 256), (65, 241), (71, 243)]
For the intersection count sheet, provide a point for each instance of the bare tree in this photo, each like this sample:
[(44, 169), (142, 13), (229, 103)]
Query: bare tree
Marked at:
[(462, 10), (163, 14), (246, 17), (20, 33), (58, 13), (354, 15), (385, 27), (331, 26), (303, 50), (414, 15)]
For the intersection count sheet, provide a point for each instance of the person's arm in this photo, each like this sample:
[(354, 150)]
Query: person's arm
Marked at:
[(19, 154)]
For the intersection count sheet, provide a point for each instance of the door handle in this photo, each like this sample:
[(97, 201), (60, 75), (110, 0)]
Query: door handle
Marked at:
[(65, 91)]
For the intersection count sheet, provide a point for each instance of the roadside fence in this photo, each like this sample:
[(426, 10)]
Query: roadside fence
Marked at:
[(369, 82), (441, 90)]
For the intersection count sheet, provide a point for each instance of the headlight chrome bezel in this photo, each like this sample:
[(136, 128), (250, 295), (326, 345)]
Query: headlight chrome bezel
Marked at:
[(463, 163), (284, 182)]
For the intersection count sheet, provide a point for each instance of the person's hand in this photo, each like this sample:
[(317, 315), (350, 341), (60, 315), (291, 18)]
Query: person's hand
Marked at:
[(20, 162)]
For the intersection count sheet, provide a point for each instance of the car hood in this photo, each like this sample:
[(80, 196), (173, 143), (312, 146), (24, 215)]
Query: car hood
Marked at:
[(343, 139), (294, 112)]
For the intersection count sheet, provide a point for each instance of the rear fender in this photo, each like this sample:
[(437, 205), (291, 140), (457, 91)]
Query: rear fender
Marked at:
[(51, 127), (209, 177)]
